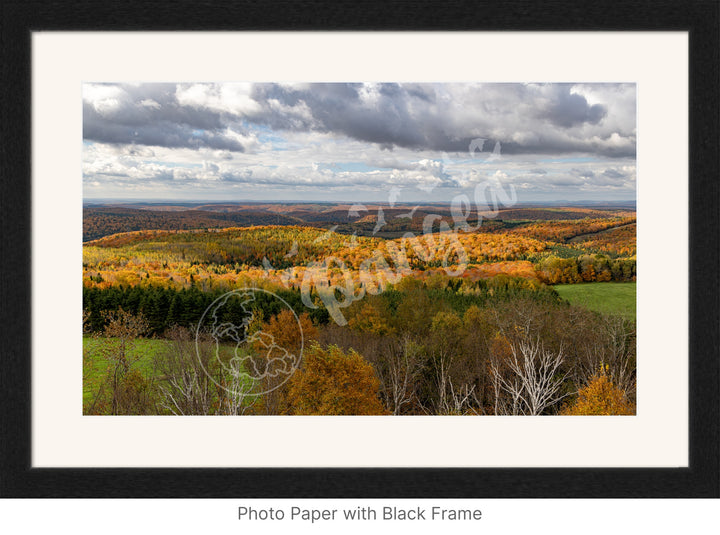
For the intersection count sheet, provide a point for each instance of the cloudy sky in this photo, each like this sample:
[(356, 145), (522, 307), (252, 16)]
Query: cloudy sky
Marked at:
[(358, 142)]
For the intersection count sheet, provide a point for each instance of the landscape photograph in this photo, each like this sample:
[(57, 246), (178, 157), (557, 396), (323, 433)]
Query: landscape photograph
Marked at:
[(369, 248)]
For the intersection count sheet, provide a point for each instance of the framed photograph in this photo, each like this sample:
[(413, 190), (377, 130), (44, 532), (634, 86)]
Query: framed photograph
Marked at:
[(263, 256)]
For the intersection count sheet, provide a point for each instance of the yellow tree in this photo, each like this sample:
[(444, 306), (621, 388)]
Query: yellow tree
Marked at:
[(369, 319), (288, 333), (600, 397), (288, 330), (130, 392), (334, 382)]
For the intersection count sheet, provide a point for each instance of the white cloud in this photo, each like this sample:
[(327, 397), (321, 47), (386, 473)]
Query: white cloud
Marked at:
[(175, 141)]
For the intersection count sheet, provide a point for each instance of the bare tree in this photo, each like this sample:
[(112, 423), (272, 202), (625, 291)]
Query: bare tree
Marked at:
[(463, 400), (236, 396), (400, 374), (529, 378), (184, 382), (453, 379), (192, 382), (453, 395), (443, 383), (610, 348)]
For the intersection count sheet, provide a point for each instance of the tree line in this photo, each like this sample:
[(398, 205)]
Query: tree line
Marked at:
[(586, 268), (441, 346)]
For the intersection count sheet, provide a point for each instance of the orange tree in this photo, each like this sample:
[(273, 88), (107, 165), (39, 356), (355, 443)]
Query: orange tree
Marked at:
[(334, 382), (600, 397), (288, 333)]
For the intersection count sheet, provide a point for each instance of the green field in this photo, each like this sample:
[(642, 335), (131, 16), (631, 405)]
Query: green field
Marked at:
[(141, 351), (604, 297), (96, 364)]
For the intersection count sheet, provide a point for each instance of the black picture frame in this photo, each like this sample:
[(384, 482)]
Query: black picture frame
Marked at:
[(700, 18)]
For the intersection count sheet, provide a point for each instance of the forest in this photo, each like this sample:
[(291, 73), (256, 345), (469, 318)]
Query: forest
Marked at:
[(461, 319)]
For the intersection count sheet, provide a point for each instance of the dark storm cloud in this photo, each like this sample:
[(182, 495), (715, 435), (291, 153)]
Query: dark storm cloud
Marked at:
[(150, 114), (614, 173), (556, 146), (583, 173), (523, 118), (413, 116), (388, 118), (420, 91), (567, 109)]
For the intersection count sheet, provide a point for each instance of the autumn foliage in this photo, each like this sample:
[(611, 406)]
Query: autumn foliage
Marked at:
[(558, 231), (435, 322), (600, 397), (334, 382), (290, 331), (554, 251)]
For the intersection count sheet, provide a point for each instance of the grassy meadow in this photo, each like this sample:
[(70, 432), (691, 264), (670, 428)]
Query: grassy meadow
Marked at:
[(603, 297), (96, 363)]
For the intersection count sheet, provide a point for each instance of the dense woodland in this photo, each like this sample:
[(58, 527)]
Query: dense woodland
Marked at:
[(103, 221), (462, 322)]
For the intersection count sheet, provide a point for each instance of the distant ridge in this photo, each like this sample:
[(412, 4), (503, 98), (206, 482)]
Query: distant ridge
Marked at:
[(101, 220)]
